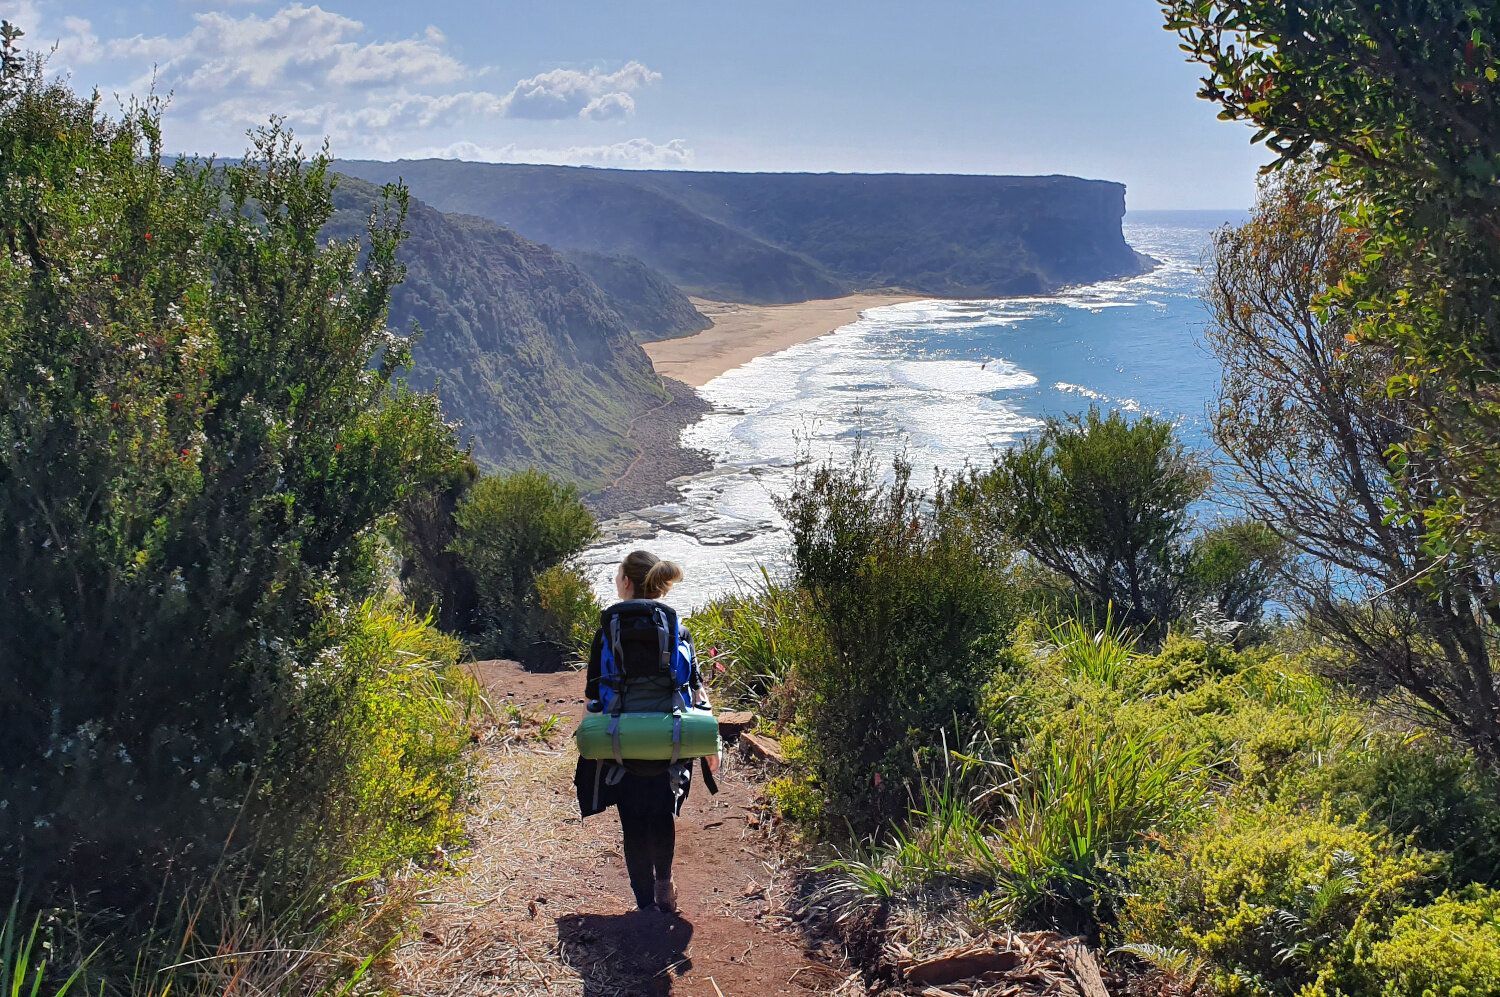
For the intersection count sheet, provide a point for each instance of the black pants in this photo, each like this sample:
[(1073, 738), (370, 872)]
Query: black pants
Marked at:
[(648, 823)]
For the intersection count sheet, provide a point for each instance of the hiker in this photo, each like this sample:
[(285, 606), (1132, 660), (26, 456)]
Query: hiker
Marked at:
[(648, 794)]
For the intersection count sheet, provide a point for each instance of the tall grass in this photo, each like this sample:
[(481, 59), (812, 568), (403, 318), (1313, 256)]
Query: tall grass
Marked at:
[(947, 841), (26, 968), (753, 640), (1038, 844), (1100, 653), (1081, 796), (225, 941)]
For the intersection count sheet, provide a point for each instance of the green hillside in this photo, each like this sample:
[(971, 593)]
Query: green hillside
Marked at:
[(526, 352), (652, 306)]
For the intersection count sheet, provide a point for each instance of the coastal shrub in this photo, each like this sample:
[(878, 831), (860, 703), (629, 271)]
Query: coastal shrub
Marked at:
[(1272, 900), (569, 610), (1260, 718), (753, 641), (1448, 948), (202, 432), (509, 528), (397, 719), (1405, 184), (1306, 419), (913, 605), (1081, 794), (1421, 788), (795, 795), (1181, 663), (1232, 569), (1103, 501), (433, 576), (796, 798)]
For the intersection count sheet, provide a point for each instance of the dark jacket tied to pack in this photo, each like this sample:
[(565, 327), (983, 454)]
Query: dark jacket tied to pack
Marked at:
[(645, 695)]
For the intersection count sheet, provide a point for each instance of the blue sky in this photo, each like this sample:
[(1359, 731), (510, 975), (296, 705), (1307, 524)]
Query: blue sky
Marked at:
[(1092, 88)]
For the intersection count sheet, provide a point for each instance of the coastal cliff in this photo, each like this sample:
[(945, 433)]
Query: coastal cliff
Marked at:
[(525, 351), (783, 237)]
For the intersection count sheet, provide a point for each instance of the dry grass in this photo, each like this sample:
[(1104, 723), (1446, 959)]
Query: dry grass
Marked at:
[(490, 929)]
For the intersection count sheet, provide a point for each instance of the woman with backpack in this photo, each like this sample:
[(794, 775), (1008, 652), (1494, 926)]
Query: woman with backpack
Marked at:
[(632, 669)]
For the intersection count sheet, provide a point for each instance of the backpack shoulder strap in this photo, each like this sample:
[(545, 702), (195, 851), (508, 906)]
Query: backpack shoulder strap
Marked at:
[(611, 662)]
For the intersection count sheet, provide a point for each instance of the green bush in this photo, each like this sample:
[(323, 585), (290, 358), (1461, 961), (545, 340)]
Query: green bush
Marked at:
[(1231, 570), (433, 576), (913, 606), (509, 528), (1182, 663), (1422, 788), (1263, 722), (1102, 501), (202, 431), (399, 742), (1449, 948), (796, 798), (1274, 901), (569, 610), (1101, 504)]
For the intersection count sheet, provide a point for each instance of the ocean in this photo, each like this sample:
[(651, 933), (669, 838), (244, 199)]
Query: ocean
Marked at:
[(947, 383)]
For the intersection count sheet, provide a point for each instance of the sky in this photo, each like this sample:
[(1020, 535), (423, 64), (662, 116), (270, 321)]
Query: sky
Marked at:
[(1092, 88)]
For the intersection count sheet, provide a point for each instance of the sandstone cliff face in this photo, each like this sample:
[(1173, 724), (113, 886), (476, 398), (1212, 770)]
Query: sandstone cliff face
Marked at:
[(760, 237)]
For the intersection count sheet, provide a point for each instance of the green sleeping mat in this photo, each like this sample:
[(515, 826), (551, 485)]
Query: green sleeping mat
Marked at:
[(648, 736)]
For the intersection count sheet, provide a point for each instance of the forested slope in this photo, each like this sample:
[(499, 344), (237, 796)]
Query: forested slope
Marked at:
[(526, 352)]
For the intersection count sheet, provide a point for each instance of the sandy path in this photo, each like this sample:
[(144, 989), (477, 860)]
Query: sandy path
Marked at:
[(541, 904), (741, 333)]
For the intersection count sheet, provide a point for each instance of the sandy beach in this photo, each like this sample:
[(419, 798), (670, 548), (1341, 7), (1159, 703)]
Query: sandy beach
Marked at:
[(741, 333)]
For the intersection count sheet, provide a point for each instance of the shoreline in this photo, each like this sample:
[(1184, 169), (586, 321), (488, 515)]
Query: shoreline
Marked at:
[(740, 332), (660, 458)]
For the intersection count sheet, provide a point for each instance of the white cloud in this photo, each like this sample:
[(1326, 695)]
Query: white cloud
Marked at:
[(609, 106), (327, 75), (24, 14), (637, 152), (567, 93)]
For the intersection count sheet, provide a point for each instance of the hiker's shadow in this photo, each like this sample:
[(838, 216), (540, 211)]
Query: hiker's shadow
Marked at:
[(641, 952)]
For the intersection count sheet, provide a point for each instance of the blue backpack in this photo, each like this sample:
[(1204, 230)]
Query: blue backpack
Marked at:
[(645, 664)]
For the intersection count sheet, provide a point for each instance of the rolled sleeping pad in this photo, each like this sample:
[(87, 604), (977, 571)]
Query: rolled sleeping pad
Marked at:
[(648, 736)]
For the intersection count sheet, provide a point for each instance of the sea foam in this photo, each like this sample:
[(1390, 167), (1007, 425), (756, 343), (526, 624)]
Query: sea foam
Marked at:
[(947, 384)]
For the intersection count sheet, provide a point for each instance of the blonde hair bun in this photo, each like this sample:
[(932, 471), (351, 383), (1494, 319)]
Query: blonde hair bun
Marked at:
[(649, 575)]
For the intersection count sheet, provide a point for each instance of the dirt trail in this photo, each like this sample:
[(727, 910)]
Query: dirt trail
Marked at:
[(541, 904)]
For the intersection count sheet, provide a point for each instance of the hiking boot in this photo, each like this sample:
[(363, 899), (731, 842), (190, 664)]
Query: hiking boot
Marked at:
[(666, 896)]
